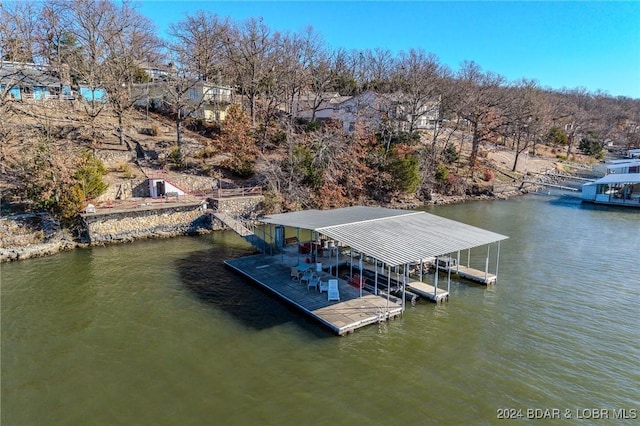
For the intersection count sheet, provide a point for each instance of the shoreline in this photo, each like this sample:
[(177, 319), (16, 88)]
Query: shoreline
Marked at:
[(60, 240)]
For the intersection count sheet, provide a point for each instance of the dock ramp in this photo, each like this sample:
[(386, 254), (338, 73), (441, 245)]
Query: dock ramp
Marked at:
[(239, 228)]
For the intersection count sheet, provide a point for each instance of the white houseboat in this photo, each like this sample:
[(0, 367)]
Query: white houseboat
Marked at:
[(620, 186)]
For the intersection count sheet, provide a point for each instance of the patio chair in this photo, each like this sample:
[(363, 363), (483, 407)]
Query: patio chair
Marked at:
[(308, 275), (324, 286), (332, 292), (295, 274), (313, 282)]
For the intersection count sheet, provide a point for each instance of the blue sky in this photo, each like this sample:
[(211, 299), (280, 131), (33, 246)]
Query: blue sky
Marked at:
[(595, 45)]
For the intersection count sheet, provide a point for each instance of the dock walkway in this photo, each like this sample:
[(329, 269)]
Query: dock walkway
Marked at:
[(234, 224), (343, 317), (472, 274)]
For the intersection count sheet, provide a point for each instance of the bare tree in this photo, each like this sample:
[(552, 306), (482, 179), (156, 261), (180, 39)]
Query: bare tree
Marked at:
[(197, 51), (521, 115), (200, 41), (378, 66), (301, 53), (478, 103), (133, 41), (18, 31), (249, 48), (78, 35), (418, 77)]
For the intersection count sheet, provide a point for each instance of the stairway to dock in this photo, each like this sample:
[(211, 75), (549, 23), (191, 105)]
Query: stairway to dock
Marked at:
[(234, 224)]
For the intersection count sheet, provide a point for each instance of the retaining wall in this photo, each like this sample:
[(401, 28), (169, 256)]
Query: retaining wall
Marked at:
[(119, 226), (244, 207)]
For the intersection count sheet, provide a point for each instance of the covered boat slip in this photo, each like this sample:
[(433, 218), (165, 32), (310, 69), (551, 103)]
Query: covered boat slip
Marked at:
[(342, 317), (396, 238), (385, 242), (380, 281)]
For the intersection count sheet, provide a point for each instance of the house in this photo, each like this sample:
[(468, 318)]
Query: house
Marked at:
[(371, 110), (633, 153), (215, 100), (28, 81), (92, 94), (623, 166), (212, 100), (321, 107), (155, 72)]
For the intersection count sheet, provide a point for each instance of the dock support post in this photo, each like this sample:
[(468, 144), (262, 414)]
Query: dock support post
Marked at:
[(361, 277), (421, 270), (458, 263), (350, 262), (435, 290), (376, 277), (404, 286), (468, 258), (298, 237), (388, 287), (337, 257), (449, 276), (497, 261), (486, 264), (314, 247)]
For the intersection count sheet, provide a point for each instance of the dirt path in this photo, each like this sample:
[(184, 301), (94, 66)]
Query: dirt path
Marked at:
[(504, 159)]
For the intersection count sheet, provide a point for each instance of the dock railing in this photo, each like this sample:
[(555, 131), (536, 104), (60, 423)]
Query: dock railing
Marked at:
[(237, 192)]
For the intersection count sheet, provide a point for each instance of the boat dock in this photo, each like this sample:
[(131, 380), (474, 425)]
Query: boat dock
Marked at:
[(364, 238), (342, 317)]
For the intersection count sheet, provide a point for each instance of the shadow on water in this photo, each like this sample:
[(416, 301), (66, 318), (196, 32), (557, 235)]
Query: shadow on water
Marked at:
[(206, 277)]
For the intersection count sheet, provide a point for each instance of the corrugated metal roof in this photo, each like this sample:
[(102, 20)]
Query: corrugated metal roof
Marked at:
[(315, 219), (623, 163), (614, 178), (392, 236)]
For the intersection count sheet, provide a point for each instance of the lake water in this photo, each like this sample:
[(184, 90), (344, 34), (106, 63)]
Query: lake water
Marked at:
[(158, 332)]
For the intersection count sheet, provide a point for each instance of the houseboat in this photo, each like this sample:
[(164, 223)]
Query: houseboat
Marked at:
[(620, 186)]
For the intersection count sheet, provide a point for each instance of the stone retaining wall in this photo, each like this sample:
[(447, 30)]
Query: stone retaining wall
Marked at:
[(126, 190), (158, 222), (112, 158), (244, 207)]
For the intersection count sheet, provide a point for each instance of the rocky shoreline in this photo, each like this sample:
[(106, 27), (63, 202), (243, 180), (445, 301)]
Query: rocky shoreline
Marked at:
[(37, 235)]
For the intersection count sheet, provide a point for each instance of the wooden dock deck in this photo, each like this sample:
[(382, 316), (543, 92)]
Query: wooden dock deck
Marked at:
[(423, 289), (472, 274), (343, 317)]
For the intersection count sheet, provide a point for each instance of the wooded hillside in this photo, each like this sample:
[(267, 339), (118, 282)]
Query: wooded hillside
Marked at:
[(391, 154)]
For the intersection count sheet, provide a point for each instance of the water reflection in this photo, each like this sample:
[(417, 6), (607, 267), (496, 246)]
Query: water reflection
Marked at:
[(204, 275)]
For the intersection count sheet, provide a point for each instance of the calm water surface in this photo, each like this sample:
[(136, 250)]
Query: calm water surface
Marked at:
[(160, 333)]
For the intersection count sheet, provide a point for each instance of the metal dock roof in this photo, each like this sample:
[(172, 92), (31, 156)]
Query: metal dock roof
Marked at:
[(614, 178), (393, 236)]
